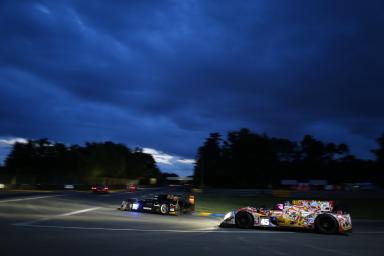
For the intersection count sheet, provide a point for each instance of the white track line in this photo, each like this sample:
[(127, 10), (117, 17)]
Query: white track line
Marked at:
[(27, 198), (154, 230), (30, 224), (27, 223)]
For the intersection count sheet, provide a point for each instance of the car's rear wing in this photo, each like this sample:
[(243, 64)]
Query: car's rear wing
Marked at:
[(326, 206)]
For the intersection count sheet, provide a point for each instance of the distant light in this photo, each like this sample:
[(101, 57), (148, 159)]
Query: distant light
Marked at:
[(191, 199), (180, 178), (2, 186)]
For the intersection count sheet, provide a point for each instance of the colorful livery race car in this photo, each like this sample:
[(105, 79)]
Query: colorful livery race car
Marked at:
[(315, 215), (163, 203)]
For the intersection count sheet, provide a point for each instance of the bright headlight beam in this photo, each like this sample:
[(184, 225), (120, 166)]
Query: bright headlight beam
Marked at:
[(228, 215)]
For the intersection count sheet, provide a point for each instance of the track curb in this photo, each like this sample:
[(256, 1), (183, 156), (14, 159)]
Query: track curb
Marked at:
[(208, 214)]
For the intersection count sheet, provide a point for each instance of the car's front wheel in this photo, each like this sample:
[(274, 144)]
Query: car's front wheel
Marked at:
[(164, 208), (326, 224), (244, 220)]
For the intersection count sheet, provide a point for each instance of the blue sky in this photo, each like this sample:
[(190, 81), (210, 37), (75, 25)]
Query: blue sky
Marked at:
[(164, 74)]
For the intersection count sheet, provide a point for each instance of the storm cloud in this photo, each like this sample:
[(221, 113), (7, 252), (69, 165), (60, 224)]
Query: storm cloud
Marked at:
[(164, 74)]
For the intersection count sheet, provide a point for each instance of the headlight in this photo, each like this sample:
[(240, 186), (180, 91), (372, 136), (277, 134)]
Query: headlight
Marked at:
[(228, 215), (135, 206)]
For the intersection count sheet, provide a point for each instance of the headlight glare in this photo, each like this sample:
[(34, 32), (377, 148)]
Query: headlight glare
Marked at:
[(228, 215)]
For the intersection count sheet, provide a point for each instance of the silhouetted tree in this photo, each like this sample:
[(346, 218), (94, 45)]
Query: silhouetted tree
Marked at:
[(46, 160), (379, 153), (207, 168), (247, 159)]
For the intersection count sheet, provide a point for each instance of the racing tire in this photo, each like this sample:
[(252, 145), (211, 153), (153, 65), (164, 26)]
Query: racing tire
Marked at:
[(244, 220), (125, 206), (326, 224), (164, 209)]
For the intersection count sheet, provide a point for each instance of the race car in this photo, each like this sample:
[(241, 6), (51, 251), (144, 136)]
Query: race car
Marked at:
[(162, 203), (320, 216), (100, 189), (132, 188)]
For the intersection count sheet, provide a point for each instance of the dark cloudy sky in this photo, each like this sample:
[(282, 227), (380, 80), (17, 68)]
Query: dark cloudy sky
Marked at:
[(164, 74)]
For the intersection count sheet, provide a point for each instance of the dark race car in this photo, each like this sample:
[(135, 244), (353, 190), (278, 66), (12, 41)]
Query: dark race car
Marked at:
[(103, 189), (315, 215), (132, 188), (162, 203)]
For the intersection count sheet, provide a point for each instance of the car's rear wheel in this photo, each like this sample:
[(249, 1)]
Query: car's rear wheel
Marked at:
[(164, 209), (244, 220), (326, 224), (126, 206), (123, 206), (129, 207)]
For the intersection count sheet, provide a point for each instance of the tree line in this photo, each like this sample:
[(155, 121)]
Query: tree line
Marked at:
[(43, 159), (247, 159)]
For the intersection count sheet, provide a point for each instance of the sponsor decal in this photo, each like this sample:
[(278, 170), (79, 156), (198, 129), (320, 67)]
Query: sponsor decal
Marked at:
[(310, 220), (264, 222)]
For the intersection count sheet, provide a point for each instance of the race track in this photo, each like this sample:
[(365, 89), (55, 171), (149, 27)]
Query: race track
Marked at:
[(80, 223)]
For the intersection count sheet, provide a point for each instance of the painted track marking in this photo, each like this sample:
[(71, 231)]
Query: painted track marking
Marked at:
[(27, 198), (151, 230), (27, 223)]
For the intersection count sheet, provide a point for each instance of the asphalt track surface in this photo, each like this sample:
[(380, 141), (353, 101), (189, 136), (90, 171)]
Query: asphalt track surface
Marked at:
[(80, 223)]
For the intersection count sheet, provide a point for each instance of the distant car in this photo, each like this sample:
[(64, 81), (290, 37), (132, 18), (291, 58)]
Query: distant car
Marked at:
[(100, 189), (303, 214), (132, 188), (162, 203)]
